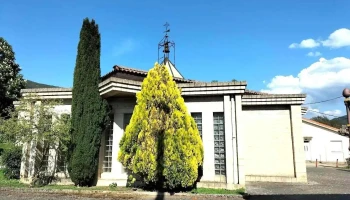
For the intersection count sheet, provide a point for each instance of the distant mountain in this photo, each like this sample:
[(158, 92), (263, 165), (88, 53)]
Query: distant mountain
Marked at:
[(335, 122), (32, 85), (341, 120)]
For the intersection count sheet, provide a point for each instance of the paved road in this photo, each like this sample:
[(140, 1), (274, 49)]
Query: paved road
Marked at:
[(323, 183)]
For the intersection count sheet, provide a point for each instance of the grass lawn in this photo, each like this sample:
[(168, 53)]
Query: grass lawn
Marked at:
[(9, 183), (17, 184), (72, 187)]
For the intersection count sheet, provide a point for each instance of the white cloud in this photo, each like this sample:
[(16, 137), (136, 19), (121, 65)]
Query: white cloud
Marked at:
[(324, 79), (308, 43), (314, 54), (124, 47), (283, 85), (313, 112), (337, 39), (335, 112)]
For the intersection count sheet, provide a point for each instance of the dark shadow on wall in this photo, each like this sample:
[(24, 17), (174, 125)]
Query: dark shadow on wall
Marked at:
[(299, 197)]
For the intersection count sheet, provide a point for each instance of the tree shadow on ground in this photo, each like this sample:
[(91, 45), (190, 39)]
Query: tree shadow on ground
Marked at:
[(160, 196), (299, 197), (344, 170)]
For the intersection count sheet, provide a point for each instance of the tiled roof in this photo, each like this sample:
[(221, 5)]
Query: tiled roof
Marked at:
[(252, 92), (143, 73), (137, 72), (321, 125), (129, 70)]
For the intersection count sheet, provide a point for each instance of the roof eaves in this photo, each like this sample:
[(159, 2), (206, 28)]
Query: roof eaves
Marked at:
[(321, 125)]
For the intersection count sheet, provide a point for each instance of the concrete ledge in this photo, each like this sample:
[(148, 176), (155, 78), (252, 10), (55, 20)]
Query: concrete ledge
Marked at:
[(273, 99), (113, 84), (107, 182), (276, 179), (219, 185)]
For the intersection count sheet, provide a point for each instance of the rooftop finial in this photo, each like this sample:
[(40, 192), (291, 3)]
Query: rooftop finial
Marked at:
[(166, 45)]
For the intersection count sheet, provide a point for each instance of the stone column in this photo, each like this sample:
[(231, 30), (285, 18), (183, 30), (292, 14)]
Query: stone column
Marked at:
[(32, 158), (240, 139), (24, 160), (228, 141)]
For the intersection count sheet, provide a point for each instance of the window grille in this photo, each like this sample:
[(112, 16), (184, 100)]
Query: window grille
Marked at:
[(219, 144), (198, 119), (107, 162)]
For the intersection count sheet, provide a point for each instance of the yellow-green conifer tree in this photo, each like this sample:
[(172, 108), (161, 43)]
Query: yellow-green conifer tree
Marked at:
[(162, 143)]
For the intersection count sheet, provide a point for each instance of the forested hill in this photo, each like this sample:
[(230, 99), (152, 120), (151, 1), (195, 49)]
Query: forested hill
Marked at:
[(335, 122), (32, 85)]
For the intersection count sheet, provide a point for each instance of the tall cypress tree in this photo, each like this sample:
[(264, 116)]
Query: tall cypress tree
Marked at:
[(89, 110)]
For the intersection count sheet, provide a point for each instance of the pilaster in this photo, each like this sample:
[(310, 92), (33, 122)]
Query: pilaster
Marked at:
[(228, 140), (298, 143), (234, 141), (240, 140)]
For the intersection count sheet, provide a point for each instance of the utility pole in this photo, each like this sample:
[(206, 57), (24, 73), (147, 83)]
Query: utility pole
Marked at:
[(346, 95)]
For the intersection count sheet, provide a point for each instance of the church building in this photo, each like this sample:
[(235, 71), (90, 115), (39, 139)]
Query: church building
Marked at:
[(247, 135)]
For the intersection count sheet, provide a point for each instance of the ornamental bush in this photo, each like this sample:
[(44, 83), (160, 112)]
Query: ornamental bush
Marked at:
[(162, 144), (11, 159)]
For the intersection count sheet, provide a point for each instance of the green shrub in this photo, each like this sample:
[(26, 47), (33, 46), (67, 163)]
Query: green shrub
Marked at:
[(11, 159), (113, 186)]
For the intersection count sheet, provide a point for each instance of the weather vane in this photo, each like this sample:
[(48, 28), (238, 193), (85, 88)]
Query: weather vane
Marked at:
[(166, 44)]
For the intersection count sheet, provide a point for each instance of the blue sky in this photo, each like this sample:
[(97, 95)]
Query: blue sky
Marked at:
[(215, 40)]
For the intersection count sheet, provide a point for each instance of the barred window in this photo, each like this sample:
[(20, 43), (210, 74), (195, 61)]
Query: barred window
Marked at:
[(61, 154), (61, 161), (219, 144), (46, 122), (107, 162), (198, 119), (45, 162)]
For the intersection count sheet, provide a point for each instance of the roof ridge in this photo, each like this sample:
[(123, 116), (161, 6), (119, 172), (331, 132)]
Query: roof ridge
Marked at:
[(255, 92), (137, 71), (129, 68)]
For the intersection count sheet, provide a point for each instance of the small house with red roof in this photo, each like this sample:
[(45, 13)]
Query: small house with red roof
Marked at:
[(324, 143)]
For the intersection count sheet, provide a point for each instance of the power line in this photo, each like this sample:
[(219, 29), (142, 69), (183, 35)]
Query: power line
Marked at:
[(323, 101), (322, 113)]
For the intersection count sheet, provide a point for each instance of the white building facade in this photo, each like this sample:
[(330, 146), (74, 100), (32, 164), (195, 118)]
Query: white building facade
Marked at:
[(324, 143), (247, 136)]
